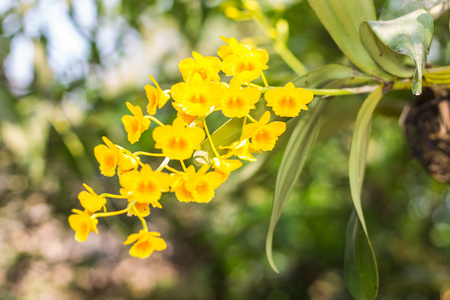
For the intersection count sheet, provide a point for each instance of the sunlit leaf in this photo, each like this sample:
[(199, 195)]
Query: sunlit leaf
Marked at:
[(397, 8), (409, 35), (390, 60), (361, 269), (358, 149), (342, 19), (361, 272)]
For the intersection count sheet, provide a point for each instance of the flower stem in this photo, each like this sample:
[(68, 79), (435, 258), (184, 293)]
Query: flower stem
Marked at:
[(155, 120), (110, 214), (148, 154), (174, 170), (163, 164), (264, 79), (144, 223), (251, 119), (183, 166), (210, 139), (112, 196)]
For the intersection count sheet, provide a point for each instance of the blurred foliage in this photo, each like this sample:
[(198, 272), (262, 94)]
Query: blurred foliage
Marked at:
[(66, 70)]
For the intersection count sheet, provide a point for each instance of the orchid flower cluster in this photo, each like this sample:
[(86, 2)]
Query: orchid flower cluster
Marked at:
[(200, 94)]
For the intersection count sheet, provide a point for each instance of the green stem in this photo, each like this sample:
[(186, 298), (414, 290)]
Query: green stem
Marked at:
[(280, 46), (290, 59)]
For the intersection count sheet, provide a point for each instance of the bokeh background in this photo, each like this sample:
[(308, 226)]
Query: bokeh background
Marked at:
[(66, 70)]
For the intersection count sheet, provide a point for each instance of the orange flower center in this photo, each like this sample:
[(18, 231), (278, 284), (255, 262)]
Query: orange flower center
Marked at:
[(146, 187), (234, 102), (143, 247), (245, 66), (263, 136), (198, 98), (288, 102), (178, 143), (110, 160)]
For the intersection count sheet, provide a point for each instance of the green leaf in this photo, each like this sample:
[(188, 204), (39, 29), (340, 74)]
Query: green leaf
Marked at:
[(397, 8), (360, 266), (331, 72), (296, 153), (342, 19), (358, 149), (390, 60), (389, 41), (301, 141)]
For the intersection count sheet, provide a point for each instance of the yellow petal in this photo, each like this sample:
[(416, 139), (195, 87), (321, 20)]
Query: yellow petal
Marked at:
[(265, 118), (277, 127), (132, 238)]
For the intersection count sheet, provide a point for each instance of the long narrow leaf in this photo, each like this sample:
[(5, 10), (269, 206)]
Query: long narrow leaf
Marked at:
[(358, 150), (297, 150), (361, 272)]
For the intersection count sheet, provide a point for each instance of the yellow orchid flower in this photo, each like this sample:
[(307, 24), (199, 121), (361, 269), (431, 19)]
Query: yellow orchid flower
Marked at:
[(288, 101), (224, 167), (208, 67), (178, 141), (145, 243), (82, 224), (108, 157), (90, 201), (156, 97), (264, 134), (198, 187), (237, 101), (197, 97), (145, 185), (136, 124)]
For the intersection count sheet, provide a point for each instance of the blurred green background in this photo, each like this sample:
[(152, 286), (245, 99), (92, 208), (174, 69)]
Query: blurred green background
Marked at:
[(66, 70)]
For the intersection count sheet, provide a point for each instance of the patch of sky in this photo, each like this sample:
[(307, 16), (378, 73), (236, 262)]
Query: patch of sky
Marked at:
[(19, 66)]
